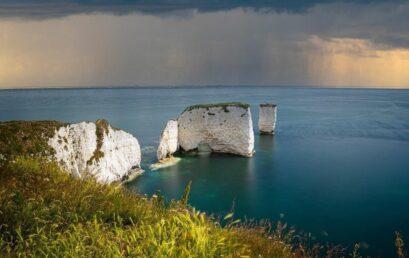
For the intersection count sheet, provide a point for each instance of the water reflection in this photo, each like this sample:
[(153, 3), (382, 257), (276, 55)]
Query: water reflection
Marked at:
[(266, 142)]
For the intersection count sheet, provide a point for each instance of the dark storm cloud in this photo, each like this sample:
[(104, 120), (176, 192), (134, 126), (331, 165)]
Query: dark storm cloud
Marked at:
[(329, 43), (43, 9), (386, 24), (389, 26)]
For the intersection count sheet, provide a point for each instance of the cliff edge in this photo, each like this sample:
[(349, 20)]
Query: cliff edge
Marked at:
[(83, 149)]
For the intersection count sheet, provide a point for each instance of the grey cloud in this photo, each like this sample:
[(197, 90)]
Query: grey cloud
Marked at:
[(233, 47), (34, 9), (385, 24)]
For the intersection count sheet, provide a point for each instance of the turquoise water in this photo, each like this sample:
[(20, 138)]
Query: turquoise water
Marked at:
[(338, 166)]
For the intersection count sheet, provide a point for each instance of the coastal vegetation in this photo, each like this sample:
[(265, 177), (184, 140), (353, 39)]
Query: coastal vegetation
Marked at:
[(26, 138), (223, 105), (79, 148), (31, 138), (102, 126), (46, 212)]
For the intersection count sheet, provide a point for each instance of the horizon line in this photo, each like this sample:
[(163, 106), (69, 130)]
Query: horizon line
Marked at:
[(202, 86)]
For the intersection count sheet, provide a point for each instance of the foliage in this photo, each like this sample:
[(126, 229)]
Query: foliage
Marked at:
[(26, 138), (30, 138), (46, 212), (102, 126), (268, 105), (186, 194), (221, 105)]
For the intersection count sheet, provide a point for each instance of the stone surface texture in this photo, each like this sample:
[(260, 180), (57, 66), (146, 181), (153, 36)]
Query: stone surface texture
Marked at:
[(267, 118), (224, 129), (168, 143), (116, 157)]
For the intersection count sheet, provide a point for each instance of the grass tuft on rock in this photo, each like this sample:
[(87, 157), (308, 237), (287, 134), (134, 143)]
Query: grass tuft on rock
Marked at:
[(102, 126), (26, 138), (223, 105), (30, 138), (268, 105)]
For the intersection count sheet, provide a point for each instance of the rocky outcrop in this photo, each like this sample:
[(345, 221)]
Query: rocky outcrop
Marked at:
[(224, 128), (267, 118), (168, 141), (97, 149)]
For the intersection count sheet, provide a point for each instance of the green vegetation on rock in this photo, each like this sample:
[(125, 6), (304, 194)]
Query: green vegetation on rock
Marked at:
[(221, 105), (26, 138), (30, 138), (102, 126), (268, 105)]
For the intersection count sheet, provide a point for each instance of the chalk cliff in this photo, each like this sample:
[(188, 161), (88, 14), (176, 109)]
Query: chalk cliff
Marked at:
[(224, 127), (168, 141), (267, 118), (97, 149)]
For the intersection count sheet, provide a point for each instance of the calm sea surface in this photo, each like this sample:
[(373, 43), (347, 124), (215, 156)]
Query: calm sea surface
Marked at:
[(338, 166)]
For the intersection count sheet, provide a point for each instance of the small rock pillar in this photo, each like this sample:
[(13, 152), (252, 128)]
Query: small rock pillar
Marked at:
[(267, 118)]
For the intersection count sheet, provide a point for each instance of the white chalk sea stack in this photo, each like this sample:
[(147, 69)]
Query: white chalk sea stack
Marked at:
[(267, 118), (97, 149), (168, 143), (224, 128)]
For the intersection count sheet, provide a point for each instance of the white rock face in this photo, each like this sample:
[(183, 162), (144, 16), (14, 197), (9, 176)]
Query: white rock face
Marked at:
[(226, 129), (267, 118), (168, 141), (116, 157)]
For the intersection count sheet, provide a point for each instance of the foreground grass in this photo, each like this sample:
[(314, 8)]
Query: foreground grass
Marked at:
[(45, 212)]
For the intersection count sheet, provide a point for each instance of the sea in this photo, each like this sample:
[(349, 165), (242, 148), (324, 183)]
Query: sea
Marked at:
[(337, 168)]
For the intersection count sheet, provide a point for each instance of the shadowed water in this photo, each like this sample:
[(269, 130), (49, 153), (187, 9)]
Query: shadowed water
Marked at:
[(338, 166)]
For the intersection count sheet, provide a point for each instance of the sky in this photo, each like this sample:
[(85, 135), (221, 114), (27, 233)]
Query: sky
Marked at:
[(327, 43)]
